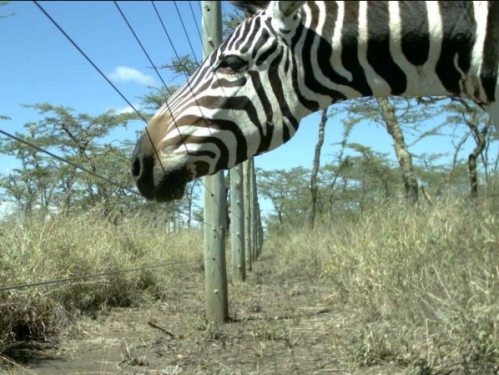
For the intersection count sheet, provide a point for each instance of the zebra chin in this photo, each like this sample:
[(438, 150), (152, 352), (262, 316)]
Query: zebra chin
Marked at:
[(158, 182), (164, 186), (170, 186)]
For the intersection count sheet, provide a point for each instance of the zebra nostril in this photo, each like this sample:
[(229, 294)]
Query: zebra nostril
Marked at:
[(136, 167)]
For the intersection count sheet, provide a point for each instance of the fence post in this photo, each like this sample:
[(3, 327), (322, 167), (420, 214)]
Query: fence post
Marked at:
[(247, 212), (259, 230), (237, 223), (253, 228), (216, 291)]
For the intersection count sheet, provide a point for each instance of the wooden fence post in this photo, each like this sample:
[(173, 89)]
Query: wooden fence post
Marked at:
[(253, 227), (237, 223), (259, 229), (247, 212), (216, 291)]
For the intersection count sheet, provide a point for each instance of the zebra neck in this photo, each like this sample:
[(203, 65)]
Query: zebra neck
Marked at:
[(380, 48)]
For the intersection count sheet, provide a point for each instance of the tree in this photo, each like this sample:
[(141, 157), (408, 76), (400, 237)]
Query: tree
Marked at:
[(288, 192), (387, 111), (396, 115), (231, 21), (462, 111), (47, 183), (315, 169)]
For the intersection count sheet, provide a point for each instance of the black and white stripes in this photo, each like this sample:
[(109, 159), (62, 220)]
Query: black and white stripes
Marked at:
[(290, 58)]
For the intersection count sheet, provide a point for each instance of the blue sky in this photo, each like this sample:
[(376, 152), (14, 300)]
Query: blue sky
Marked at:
[(38, 64)]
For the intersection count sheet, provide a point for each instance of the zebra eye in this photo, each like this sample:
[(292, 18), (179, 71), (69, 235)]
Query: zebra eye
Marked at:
[(232, 62)]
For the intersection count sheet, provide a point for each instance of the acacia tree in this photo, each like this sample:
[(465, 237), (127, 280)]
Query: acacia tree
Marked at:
[(397, 115), (462, 111), (288, 192), (387, 111), (315, 169), (43, 181)]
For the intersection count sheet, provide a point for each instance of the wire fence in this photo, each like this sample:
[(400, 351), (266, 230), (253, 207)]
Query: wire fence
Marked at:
[(91, 172), (133, 357), (6, 288), (141, 116), (92, 276)]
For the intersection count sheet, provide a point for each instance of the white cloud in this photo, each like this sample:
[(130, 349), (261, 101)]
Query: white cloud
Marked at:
[(126, 109), (126, 74)]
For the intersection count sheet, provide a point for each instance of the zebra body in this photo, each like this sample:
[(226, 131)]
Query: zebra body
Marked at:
[(291, 58)]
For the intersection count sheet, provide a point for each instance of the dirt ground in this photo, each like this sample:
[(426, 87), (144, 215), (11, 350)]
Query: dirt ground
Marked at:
[(278, 327)]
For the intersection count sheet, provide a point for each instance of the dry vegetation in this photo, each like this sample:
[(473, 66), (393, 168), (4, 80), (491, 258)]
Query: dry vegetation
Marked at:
[(394, 291), (38, 250), (424, 283)]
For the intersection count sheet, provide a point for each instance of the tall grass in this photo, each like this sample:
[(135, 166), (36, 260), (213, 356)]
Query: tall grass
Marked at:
[(422, 281), (38, 250)]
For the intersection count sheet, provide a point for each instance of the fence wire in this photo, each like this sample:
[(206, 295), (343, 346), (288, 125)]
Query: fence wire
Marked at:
[(114, 183), (111, 272), (94, 275)]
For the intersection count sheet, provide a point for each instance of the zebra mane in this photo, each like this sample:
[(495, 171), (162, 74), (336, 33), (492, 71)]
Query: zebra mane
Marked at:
[(250, 8)]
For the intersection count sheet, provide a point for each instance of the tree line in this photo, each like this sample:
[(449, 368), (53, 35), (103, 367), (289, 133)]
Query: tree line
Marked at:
[(354, 178), (358, 177)]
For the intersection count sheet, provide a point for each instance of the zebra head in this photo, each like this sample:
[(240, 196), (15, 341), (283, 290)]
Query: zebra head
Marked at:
[(242, 101)]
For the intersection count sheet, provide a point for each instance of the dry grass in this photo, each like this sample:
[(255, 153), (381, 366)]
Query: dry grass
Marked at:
[(396, 290), (37, 250), (424, 283)]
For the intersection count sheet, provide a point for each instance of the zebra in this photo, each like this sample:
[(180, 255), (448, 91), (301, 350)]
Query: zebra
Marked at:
[(288, 59)]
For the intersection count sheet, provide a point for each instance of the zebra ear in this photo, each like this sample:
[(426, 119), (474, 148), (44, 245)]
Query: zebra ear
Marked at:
[(283, 10)]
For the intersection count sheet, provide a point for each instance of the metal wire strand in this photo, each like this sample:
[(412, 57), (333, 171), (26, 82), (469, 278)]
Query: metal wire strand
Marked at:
[(186, 33), (166, 87), (195, 21), (116, 89), (121, 94), (100, 72), (88, 59), (186, 73), (116, 184), (157, 72), (95, 275)]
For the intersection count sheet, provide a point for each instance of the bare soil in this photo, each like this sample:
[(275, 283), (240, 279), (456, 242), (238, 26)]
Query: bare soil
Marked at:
[(280, 325)]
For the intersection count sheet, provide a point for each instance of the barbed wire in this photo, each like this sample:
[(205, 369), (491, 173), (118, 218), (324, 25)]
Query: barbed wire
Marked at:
[(94, 275)]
